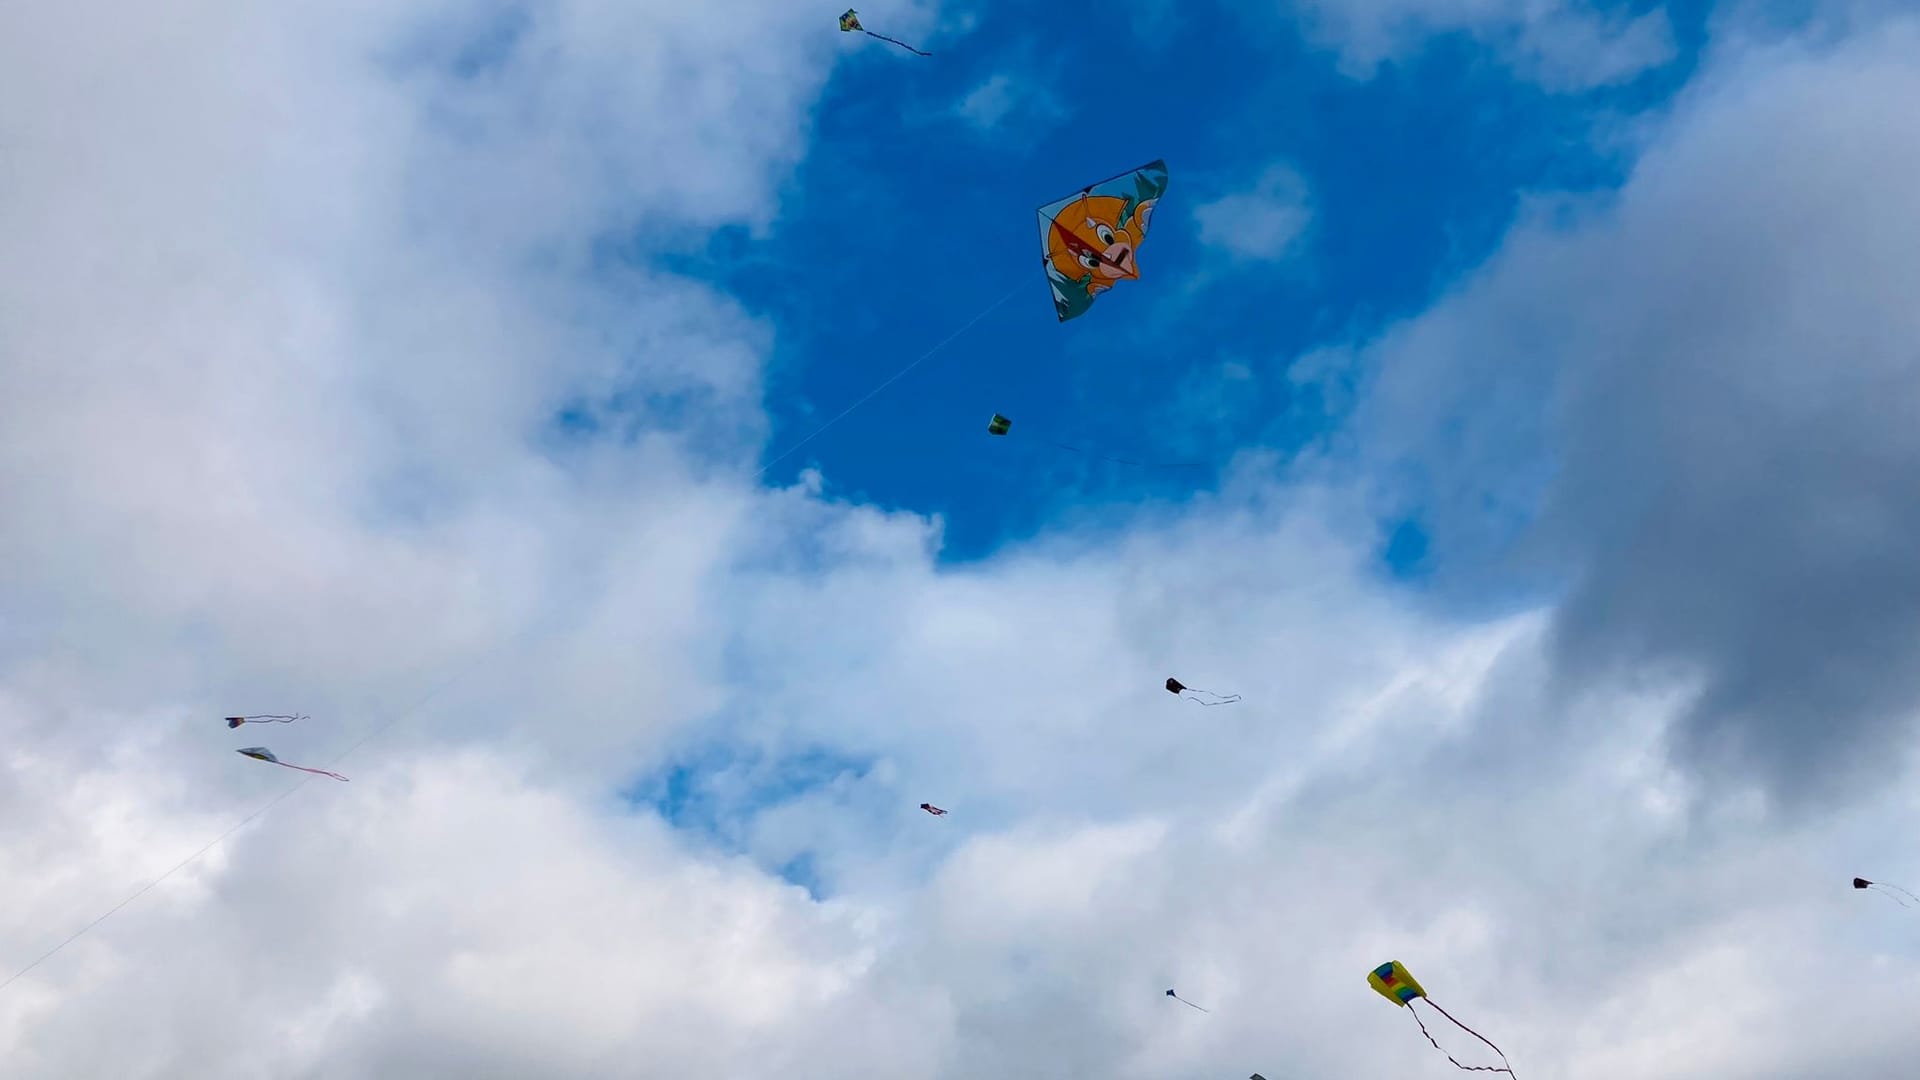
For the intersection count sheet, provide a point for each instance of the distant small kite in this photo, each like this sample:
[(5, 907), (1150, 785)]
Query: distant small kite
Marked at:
[(261, 753), (1185, 1002), (1177, 688), (262, 718), (850, 22), (1863, 883), (1392, 981), (932, 809)]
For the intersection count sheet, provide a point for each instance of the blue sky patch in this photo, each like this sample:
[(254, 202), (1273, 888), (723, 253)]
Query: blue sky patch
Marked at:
[(914, 210)]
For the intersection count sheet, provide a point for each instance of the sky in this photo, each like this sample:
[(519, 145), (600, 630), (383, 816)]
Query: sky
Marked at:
[(454, 375)]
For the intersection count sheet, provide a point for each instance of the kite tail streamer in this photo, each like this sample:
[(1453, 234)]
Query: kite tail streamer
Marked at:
[(269, 718), (1227, 700), (1507, 1068), (896, 41), (1189, 1004), (1896, 888), (321, 772)]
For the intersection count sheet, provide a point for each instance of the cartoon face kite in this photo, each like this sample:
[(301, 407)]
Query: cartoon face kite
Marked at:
[(1091, 241), (1393, 982), (261, 753)]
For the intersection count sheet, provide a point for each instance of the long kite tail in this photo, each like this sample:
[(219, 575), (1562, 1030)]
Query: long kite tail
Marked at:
[(1877, 886), (321, 772), (1506, 1068), (1898, 889), (896, 41), (270, 718), (1189, 1004), (1227, 700)]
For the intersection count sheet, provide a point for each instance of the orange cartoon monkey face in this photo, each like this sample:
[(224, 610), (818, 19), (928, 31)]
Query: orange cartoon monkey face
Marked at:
[(1087, 237)]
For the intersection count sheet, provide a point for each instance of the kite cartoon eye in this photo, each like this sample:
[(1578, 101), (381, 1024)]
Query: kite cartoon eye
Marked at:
[(1091, 262), (1105, 234)]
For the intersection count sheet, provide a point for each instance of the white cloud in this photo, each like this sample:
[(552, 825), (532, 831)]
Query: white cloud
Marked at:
[(990, 102), (1005, 96), (1566, 45), (280, 345), (1713, 377), (1266, 221)]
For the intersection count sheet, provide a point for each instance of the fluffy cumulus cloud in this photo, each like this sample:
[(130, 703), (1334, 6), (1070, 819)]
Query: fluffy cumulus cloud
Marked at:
[(1718, 373), (322, 392), (1265, 221)]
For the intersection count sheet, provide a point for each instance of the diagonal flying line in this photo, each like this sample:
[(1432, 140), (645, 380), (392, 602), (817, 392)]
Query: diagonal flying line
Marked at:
[(143, 890), (463, 671), (895, 377)]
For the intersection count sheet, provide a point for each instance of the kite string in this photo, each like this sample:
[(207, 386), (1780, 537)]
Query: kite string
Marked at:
[(895, 377), (1469, 1068), (458, 674)]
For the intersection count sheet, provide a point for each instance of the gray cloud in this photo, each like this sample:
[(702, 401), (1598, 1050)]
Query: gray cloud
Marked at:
[(276, 430), (1565, 45), (1728, 450)]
